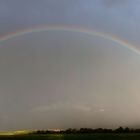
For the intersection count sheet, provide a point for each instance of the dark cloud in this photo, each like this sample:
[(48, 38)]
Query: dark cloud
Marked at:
[(110, 3)]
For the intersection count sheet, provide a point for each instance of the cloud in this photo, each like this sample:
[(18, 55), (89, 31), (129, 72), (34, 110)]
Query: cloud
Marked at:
[(110, 3), (61, 106), (101, 110)]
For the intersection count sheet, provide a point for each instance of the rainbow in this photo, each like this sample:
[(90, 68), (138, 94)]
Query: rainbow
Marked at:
[(112, 38)]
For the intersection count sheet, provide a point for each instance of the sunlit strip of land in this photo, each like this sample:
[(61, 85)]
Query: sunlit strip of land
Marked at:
[(19, 132), (24, 132)]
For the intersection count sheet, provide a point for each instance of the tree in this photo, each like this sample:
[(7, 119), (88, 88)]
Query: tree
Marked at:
[(119, 130)]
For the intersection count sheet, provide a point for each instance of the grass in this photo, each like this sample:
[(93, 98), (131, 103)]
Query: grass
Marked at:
[(73, 137)]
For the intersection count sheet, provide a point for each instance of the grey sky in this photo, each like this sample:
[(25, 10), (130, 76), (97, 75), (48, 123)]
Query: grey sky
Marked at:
[(67, 79)]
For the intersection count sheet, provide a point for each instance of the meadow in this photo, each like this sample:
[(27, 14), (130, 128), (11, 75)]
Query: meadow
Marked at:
[(73, 137)]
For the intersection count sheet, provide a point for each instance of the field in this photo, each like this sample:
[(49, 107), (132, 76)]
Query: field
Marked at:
[(74, 137)]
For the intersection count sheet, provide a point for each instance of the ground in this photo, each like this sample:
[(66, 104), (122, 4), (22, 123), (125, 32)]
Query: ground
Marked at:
[(74, 137)]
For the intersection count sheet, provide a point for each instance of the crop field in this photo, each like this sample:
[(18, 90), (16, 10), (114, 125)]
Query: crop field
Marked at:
[(73, 137)]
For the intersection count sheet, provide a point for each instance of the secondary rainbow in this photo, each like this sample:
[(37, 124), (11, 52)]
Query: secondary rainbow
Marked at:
[(112, 38)]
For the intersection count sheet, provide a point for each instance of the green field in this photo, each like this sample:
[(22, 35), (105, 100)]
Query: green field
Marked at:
[(74, 137)]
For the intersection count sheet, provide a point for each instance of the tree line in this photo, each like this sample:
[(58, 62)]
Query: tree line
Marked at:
[(88, 131)]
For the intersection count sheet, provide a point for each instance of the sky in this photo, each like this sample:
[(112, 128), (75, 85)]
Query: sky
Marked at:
[(63, 79)]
